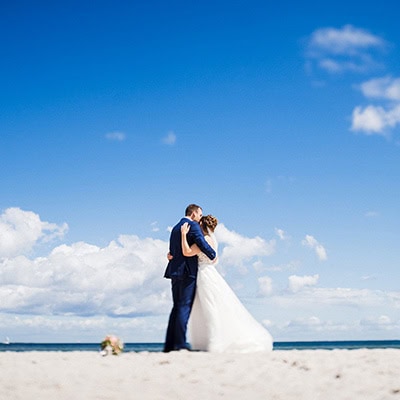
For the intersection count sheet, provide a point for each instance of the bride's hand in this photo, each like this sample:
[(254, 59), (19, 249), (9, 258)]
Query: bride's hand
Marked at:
[(185, 228), (170, 256)]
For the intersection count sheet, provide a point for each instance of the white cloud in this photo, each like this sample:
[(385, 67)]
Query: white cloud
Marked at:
[(305, 322), (297, 283), (267, 323), (320, 328), (344, 49), (378, 119), (380, 324), (381, 320), (369, 277), (349, 297), (63, 329), (330, 65), (123, 278), (375, 119), (265, 285), (316, 328), (281, 234), (116, 136), (370, 119), (382, 88), (81, 290), (290, 266), (154, 226), (21, 230), (337, 66), (346, 40), (351, 49), (332, 314), (313, 243), (237, 249), (170, 139)]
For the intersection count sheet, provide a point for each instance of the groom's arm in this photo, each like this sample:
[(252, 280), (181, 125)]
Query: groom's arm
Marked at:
[(198, 238)]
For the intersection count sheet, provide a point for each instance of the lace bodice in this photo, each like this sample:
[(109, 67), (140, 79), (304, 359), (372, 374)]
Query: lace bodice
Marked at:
[(203, 259)]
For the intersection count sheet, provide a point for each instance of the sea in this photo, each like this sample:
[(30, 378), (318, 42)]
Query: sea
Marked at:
[(158, 347)]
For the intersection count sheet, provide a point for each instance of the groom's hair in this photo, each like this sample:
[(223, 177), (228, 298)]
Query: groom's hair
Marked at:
[(190, 209)]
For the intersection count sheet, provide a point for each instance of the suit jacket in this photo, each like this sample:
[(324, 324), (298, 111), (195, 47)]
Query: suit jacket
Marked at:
[(181, 266)]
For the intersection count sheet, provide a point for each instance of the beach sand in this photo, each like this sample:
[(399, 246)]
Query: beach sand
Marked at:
[(301, 375)]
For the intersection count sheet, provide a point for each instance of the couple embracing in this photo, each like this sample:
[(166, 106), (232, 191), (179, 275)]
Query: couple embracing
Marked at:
[(218, 321)]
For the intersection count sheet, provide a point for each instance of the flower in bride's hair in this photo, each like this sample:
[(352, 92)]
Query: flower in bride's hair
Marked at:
[(111, 344)]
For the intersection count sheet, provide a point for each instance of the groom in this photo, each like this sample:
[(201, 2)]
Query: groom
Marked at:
[(183, 272)]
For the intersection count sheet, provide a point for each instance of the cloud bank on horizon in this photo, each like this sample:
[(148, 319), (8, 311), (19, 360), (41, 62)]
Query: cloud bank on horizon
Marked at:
[(87, 287)]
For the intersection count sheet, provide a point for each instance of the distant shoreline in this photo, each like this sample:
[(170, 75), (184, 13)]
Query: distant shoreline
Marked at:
[(157, 347)]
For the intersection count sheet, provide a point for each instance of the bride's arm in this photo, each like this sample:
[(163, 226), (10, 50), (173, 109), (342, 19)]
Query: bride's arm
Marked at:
[(211, 242), (188, 251)]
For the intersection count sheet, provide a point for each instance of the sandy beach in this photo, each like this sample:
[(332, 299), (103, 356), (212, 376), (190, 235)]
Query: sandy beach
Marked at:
[(308, 374)]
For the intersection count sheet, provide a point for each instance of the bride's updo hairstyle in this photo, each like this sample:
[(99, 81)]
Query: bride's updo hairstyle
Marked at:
[(209, 222)]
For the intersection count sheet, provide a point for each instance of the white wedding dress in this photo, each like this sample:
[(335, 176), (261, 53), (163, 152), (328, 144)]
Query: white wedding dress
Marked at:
[(219, 322)]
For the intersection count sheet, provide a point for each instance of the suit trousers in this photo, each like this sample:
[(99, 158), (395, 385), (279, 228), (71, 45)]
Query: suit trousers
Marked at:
[(183, 291)]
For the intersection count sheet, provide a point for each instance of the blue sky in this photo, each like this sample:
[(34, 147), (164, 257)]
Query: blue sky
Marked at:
[(282, 120)]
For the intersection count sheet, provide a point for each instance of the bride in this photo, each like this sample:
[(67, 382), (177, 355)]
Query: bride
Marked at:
[(219, 322)]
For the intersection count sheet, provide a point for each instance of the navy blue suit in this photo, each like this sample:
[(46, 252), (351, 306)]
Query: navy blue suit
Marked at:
[(183, 272)]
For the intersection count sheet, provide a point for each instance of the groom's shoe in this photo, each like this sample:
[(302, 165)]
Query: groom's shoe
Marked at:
[(187, 348)]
